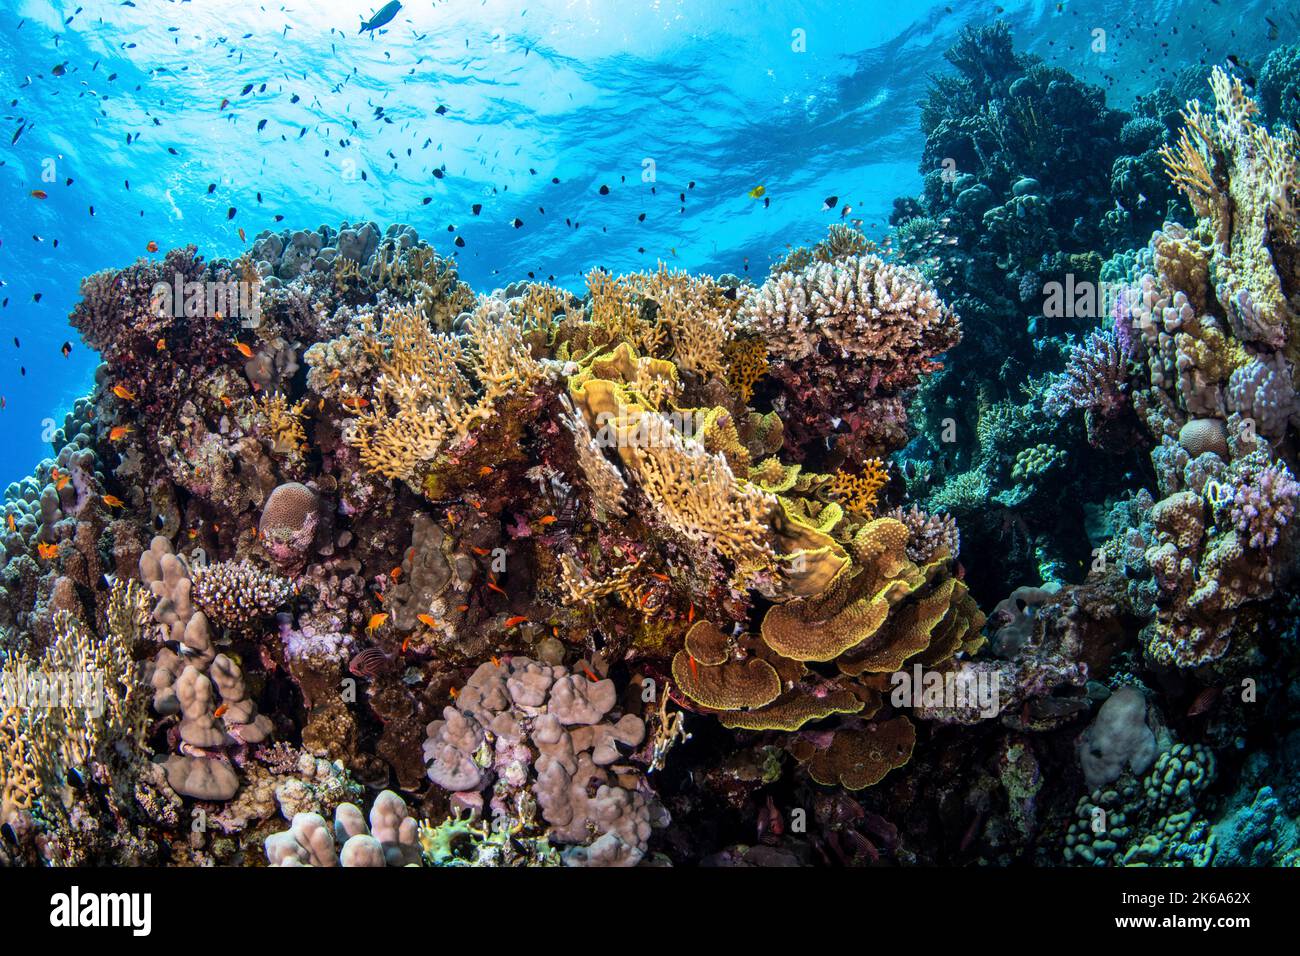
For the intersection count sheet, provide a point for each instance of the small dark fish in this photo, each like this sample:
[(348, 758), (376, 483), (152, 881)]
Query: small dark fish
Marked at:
[(441, 111), (476, 208), (459, 242), (517, 223), (230, 213), (830, 202), (66, 349), (604, 190)]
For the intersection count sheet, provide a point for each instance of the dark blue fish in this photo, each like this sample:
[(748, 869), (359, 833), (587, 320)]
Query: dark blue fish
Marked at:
[(384, 16)]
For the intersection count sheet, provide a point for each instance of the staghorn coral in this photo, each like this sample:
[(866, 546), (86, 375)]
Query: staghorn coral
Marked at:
[(1094, 380), (852, 326), (236, 593)]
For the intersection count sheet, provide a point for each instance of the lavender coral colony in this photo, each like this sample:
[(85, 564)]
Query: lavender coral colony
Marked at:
[(376, 569)]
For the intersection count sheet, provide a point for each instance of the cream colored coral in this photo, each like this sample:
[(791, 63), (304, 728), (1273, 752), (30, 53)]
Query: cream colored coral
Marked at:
[(434, 387), (860, 306)]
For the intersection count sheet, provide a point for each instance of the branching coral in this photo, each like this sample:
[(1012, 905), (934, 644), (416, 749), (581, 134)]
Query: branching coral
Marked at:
[(432, 387)]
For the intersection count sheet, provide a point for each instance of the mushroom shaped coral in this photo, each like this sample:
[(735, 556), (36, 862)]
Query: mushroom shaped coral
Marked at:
[(201, 778), (449, 751), (857, 759), (792, 710), (576, 699)]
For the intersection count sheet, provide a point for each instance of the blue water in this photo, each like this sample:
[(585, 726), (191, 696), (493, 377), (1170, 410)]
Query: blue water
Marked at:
[(584, 91)]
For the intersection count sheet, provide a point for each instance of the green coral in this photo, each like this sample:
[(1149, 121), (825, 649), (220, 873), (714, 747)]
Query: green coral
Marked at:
[(1152, 822)]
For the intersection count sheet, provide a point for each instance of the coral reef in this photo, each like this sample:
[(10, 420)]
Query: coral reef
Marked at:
[(642, 574)]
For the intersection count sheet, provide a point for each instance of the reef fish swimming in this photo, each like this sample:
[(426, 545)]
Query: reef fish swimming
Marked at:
[(383, 17)]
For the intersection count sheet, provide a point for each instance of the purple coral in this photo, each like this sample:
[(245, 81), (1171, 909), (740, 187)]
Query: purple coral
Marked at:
[(1264, 502), (928, 534), (1095, 379)]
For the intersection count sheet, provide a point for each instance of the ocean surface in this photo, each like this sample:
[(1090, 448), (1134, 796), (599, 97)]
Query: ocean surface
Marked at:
[(185, 122)]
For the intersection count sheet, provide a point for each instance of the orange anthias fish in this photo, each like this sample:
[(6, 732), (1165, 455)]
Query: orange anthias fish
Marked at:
[(243, 349), (355, 402), (428, 620), (481, 552), (590, 676), (47, 551), (9, 520), (395, 573), (376, 622), (405, 644), (695, 671), (124, 393), (221, 711), (485, 471), (113, 501), (40, 194), (517, 619), (496, 587), (118, 432), (60, 480), (152, 246)]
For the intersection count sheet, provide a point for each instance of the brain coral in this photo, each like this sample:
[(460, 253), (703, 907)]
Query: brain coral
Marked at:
[(288, 524)]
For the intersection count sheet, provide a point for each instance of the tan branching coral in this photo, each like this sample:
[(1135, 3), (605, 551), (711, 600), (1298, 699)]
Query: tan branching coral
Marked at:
[(860, 308), (700, 318), (860, 493), (70, 708), (746, 362), (433, 387), (1244, 184), (281, 422)]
